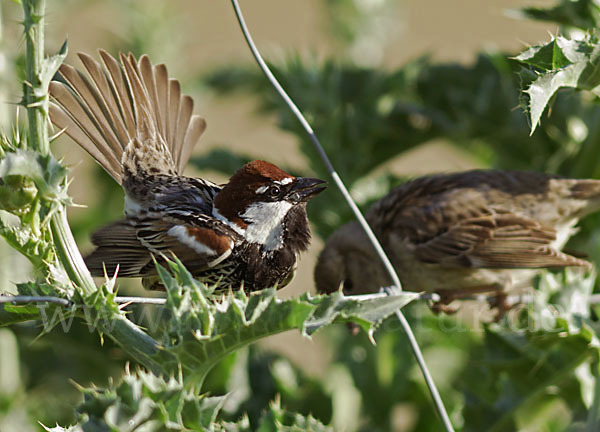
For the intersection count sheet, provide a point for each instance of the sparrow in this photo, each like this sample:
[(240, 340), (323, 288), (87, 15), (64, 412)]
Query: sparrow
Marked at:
[(135, 122), (460, 234)]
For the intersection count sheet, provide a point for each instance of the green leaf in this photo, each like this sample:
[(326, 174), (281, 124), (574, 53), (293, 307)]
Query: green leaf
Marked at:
[(263, 376), (545, 57), (22, 163), (276, 420), (51, 65), (202, 332), (145, 402), (514, 372), (63, 429), (28, 240), (561, 63), (10, 314)]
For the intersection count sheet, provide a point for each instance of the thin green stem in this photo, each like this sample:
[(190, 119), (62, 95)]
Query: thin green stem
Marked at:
[(134, 341), (69, 254), (35, 98), (140, 346)]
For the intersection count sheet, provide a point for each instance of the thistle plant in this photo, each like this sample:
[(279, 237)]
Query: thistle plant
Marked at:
[(173, 360)]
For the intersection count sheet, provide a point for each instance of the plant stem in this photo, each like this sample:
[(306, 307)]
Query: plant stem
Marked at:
[(35, 98), (134, 341), (140, 346), (69, 254)]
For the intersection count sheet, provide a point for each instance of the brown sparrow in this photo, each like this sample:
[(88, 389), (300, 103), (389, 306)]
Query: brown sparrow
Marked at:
[(461, 234), (132, 118)]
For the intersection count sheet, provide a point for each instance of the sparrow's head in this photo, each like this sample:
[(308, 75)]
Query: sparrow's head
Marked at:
[(349, 262), (265, 204)]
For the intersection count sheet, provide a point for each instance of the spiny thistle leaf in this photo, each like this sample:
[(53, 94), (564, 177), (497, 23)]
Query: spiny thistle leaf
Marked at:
[(145, 402), (202, 332), (278, 420), (560, 63), (242, 425)]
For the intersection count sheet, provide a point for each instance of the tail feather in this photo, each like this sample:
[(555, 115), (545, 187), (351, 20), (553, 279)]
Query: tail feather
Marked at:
[(192, 134), (116, 104), (142, 108), (98, 112), (586, 189), (117, 88), (103, 91), (80, 125), (174, 96)]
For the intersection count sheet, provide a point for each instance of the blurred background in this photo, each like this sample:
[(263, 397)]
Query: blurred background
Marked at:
[(394, 89)]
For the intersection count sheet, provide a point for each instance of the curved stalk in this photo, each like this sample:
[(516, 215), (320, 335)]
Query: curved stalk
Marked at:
[(131, 338)]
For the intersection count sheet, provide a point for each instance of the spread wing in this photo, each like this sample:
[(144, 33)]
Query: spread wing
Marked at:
[(129, 244), (497, 240)]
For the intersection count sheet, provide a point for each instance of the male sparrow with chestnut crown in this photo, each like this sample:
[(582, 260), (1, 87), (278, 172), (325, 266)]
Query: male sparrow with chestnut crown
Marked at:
[(134, 121), (462, 233)]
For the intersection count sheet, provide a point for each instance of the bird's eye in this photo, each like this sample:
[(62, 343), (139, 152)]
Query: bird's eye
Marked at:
[(274, 191)]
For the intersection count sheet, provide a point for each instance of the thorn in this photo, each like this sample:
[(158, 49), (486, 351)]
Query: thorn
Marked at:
[(124, 305), (57, 134)]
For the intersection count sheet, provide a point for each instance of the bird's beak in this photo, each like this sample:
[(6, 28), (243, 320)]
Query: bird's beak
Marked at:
[(305, 188)]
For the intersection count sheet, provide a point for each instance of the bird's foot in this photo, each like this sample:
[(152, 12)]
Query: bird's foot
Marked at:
[(441, 306), (501, 304)]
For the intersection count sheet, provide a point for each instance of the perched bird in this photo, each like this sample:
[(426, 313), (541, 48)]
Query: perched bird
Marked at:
[(461, 234), (132, 118)]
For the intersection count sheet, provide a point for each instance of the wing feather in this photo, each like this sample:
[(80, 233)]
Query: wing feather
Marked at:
[(496, 241), (117, 246)]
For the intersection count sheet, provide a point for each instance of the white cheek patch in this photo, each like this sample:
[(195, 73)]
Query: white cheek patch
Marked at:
[(181, 234), (265, 223)]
